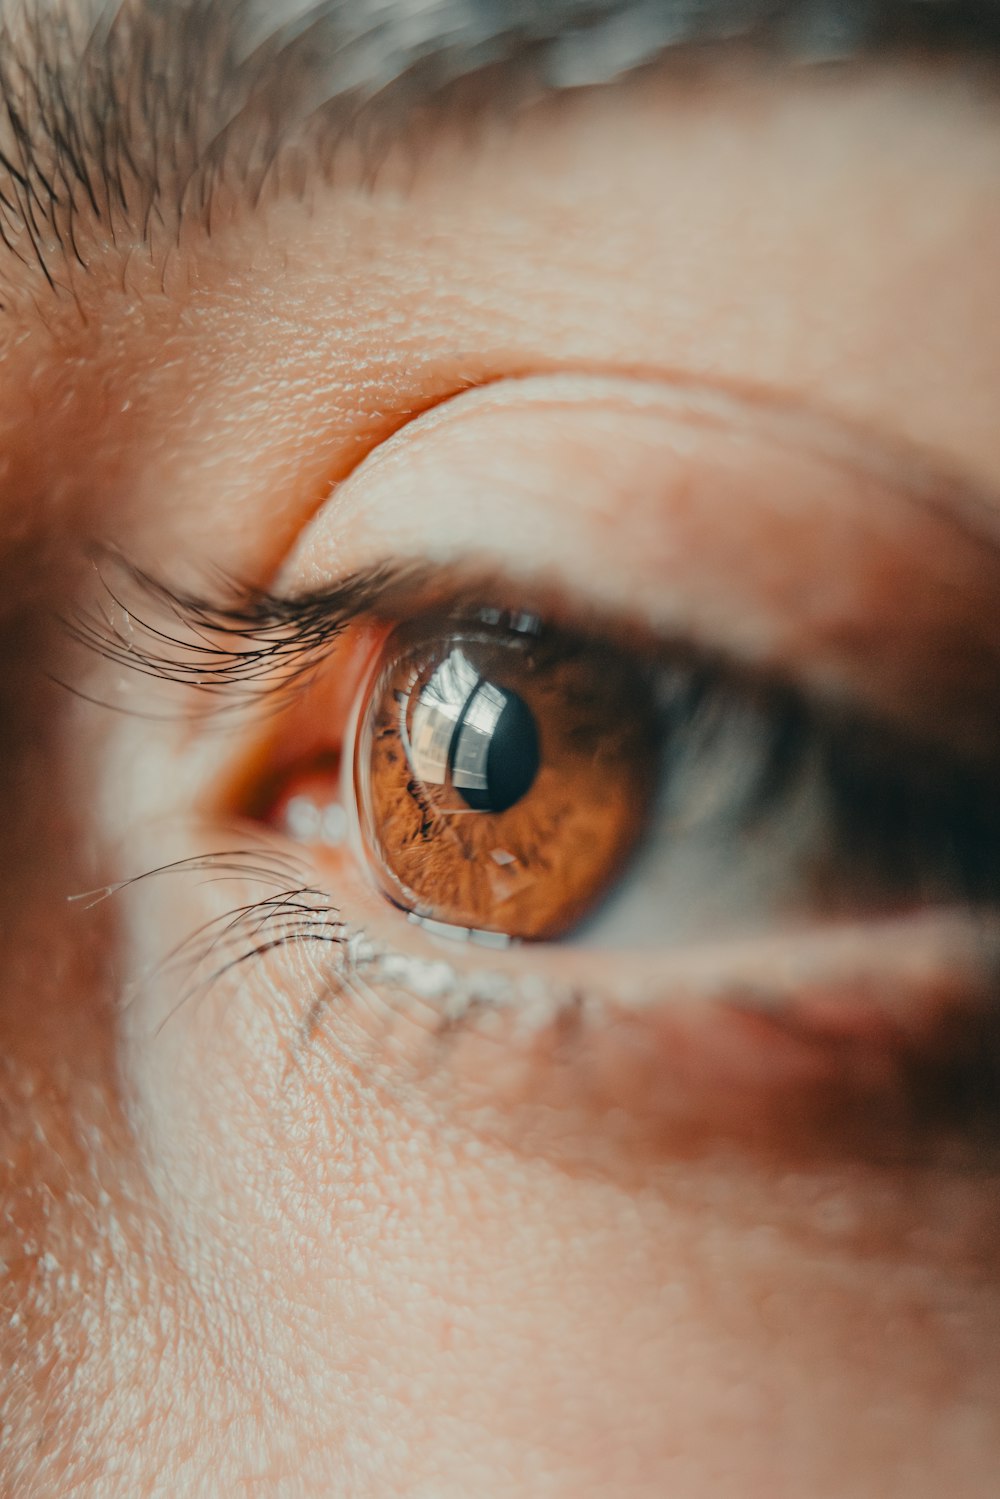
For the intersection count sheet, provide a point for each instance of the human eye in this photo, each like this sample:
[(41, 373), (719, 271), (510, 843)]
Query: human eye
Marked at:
[(647, 774)]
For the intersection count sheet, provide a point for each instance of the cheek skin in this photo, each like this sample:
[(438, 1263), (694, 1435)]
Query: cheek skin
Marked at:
[(502, 1315), (236, 1260), (84, 1262)]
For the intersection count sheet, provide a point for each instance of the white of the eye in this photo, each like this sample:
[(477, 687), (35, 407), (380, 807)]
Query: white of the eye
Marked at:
[(308, 822), (706, 868)]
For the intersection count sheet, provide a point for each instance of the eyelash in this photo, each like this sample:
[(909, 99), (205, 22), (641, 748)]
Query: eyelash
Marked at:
[(248, 646)]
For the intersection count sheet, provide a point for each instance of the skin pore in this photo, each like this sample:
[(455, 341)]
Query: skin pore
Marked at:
[(252, 1245)]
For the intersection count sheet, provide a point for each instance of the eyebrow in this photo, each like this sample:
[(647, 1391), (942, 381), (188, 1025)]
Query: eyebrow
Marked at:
[(116, 114)]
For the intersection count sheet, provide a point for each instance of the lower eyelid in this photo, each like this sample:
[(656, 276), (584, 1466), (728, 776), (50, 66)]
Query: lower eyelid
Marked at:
[(879, 1038)]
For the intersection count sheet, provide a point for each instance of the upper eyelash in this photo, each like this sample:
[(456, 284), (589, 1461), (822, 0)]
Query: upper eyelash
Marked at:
[(246, 644), (241, 643)]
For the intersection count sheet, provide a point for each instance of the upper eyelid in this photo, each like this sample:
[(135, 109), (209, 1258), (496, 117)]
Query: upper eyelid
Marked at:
[(232, 605), (735, 499), (250, 643), (237, 643)]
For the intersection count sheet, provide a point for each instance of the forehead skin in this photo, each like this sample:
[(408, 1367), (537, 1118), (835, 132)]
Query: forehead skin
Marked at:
[(263, 1318), (119, 112)]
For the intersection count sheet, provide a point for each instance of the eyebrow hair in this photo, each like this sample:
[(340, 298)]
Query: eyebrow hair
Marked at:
[(118, 114)]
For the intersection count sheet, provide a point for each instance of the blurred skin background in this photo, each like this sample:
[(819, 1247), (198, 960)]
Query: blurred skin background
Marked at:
[(646, 356)]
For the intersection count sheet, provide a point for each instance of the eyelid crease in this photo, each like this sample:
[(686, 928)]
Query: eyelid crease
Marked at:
[(271, 622)]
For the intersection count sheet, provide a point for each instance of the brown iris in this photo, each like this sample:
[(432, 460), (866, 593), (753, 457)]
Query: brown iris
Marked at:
[(503, 773)]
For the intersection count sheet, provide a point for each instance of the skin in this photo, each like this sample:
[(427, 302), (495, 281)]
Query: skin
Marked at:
[(237, 1264)]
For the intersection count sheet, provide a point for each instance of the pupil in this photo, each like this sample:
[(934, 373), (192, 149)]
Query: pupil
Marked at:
[(495, 753)]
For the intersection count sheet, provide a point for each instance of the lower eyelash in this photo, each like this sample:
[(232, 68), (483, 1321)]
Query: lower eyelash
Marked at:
[(301, 914), (289, 915)]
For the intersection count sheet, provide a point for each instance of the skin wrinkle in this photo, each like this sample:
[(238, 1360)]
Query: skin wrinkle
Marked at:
[(124, 116)]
